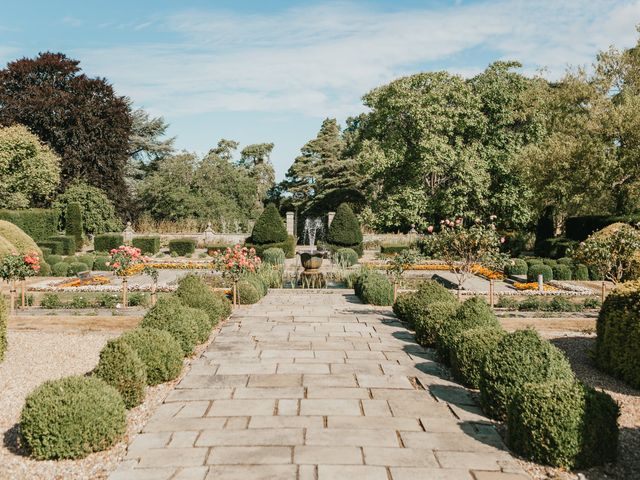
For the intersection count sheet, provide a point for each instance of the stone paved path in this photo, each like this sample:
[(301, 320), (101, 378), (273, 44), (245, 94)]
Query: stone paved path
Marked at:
[(315, 385)]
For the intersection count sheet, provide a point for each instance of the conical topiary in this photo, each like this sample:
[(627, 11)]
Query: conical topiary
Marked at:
[(345, 228), (269, 227)]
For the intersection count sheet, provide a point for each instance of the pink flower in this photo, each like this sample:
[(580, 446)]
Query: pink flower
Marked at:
[(430, 229), (502, 239)]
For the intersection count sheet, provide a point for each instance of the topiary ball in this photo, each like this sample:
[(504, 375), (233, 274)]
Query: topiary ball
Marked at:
[(468, 351), (202, 321), (377, 290), (540, 269), (273, 256), (194, 292), (159, 351), (247, 293), (516, 266), (520, 357), (60, 269), (430, 321), (580, 272), (100, 263), (121, 367), (71, 418), (77, 267), (169, 314), (562, 272)]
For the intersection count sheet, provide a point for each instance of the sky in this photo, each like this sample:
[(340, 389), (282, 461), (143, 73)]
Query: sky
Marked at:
[(271, 71)]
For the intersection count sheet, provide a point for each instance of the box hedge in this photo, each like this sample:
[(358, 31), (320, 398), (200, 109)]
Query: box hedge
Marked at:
[(409, 306), (562, 272), (105, 242), (170, 315), (68, 243), (618, 333), (579, 228), (390, 249), (147, 245), (345, 230), (76, 267), (182, 246), (430, 321), (520, 357), (159, 351), (218, 247), (540, 269), (121, 367), (56, 247), (269, 227), (193, 292), (563, 424), (375, 289), (38, 223), (247, 293), (516, 266), (555, 247), (71, 418), (100, 263), (19, 240), (60, 269), (202, 321), (73, 223), (468, 351), (273, 256), (346, 257)]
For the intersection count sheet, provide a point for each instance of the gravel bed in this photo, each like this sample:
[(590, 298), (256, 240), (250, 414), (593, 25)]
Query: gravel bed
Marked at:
[(33, 358)]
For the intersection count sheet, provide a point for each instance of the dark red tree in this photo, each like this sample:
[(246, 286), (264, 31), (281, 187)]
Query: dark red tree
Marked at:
[(81, 118)]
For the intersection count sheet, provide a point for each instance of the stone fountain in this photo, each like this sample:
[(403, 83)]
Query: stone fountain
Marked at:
[(311, 261)]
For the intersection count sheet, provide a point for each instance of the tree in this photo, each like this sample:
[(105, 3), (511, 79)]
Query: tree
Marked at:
[(29, 170), (256, 159), (345, 230), (81, 118), (269, 227)]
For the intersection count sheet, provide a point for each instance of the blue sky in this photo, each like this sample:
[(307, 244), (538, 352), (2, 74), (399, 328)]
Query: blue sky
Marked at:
[(270, 71)]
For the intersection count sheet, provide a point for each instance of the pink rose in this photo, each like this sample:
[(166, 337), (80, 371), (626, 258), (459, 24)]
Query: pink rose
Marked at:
[(430, 229)]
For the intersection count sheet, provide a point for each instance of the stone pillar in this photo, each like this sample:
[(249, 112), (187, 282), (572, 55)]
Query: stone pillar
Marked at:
[(207, 235), (330, 218), (290, 223), (127, 234)]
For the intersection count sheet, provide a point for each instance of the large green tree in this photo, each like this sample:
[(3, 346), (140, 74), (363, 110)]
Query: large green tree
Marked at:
[(256, 158), (81, 118)]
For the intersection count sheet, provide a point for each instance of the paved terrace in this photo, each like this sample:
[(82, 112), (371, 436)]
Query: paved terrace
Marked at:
[(313, 385)]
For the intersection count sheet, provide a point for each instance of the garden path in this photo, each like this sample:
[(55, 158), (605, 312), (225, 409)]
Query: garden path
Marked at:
[(316, 385)]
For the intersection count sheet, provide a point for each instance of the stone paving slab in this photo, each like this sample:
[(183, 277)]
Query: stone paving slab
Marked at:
[(314, 385)]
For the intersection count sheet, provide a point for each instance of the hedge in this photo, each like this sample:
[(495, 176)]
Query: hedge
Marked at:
[(520, 357), (45, 269), (273, 256), (105, 242), (468, 351), (68, 243), (247, 293), (76, 267), (100, 263), (579, 228), (150, 244), (203, 323), (169, 314), (345, 229), (516, 266), (269, 227), (71, 418), (288, 246), (346, 257), (38, 223), (60, 269), (73, 223), (375, 289), (121, 367), (412, 307), (182, 246), (563, 424), (555, 247), (55, 246), (333, 248), (159, 351), (391, 248), (3, 328), (20, 241), (580, 272), (429, 323), (562, 272), (193, 292), (540, 269), (618, 332)]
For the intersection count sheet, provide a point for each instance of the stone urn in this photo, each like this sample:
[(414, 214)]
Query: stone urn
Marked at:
[(311, 261)]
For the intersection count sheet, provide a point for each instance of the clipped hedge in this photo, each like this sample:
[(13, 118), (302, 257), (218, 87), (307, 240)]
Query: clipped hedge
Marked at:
[(516, 266), (71, 418), (203, 323), (563, 424), (389, 249), (247, 293), (76, 267), (580, 272), (346, 257), (273, 256), (520, 357), (121, 367), (100, 263), (68, 243), (38, 223), (45, 269), (345, 229), (468, 351), (409, 307), (618, 332), (147, 245), (540, 269), (56, 247), (105, 242), (193, 292), (3, 328), (430, 322), (73, 222), (562, 272), (159, 351), (170, 315), (555, 247), (288, 246), (269, 227), (579, 228), (182, 246), (20, 241), (472, 313), (60, 269), (375, 289)]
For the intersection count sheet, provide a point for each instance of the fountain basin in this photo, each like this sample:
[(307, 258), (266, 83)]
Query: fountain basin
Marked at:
[(311, 261)]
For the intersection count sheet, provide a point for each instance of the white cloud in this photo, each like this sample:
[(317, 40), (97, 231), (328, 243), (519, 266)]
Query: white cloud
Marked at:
[(318, 60)]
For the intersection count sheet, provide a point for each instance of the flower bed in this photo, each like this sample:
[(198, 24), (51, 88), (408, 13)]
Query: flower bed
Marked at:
[(79, 282), (533, 286)]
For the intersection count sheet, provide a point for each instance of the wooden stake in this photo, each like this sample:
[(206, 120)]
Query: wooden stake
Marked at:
[(395, 292), (491, 302), (154, 287), (24, 293), (235, 293), (124, 292), (12, 291)]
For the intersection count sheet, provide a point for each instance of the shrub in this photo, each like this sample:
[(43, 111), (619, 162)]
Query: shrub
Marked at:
[(60, 269), (45, 269), (345, 229), (218, 247), (121, 367), (591, 303), (137, 299), (50, 300), (579, 228), (73, 222), (100, 263), (55, 247), (530, 304), (516, 266), (269, 228), (473, 312), (86, 259), (105, 242), (159, 351), (561, 304), (563, 424), (533, 261), (389, 249), (169, 314), (247, 293), (580, 272), (202, 322), (3, 328), (77, 267), (562, 272), (555, 247), (550, 262), (469, 350), (46, 252), (429, 322), (182, 246), (53, 259), (79, 302), (565, 261), (618, 330), (544, 270), (193, 292), (147, 245), (71, 418), (108, 300), (38, 223), (288, 246), (376, 289), (21, 242), (68, 243), (273, 256), (257, 282), (416, 305), (401, 305), (346, 257), (505, 301), (520, 357)]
